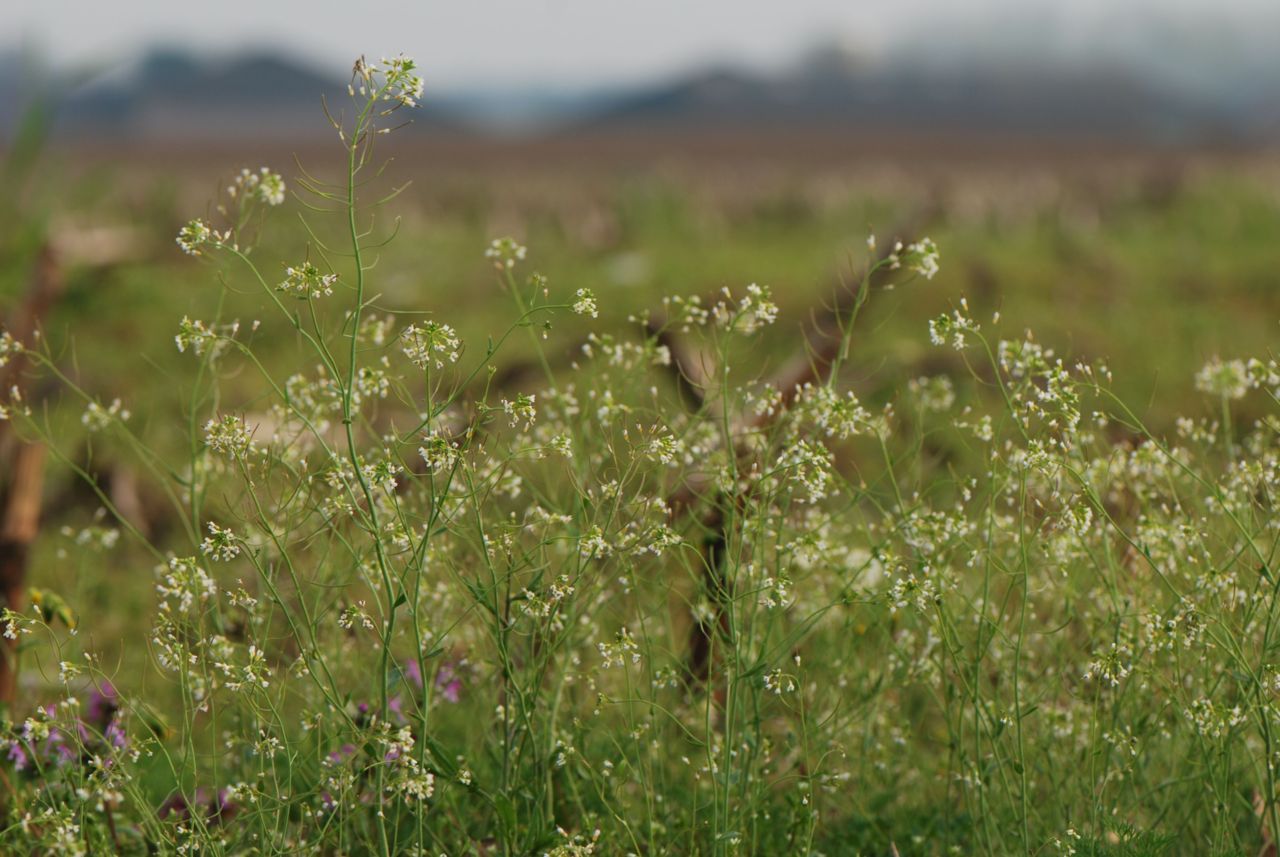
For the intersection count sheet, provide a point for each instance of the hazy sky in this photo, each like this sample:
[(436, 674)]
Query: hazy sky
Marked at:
[(586, 42)]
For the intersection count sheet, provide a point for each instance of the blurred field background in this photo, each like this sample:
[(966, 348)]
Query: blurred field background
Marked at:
[(1121, 199), (1103, 173)]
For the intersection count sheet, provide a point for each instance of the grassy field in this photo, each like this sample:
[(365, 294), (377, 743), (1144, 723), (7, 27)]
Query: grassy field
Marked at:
[(409, 609), (1155, 264)]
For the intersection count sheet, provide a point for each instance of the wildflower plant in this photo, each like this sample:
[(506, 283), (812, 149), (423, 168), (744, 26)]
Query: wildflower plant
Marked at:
[(643, 604)]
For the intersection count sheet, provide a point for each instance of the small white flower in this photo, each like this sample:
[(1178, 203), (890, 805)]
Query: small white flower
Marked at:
[(229, 435), (586, 303), (1110, 667), (922, 257), (96, 417), (220, 544), (8, 347), (755, 310), (505, 252), (1229, 379), (354, 616), (562, 444), (263, 186), (953, 328), (593, 544), (617, 653), (779, 682), (432, 344), (270, 187), (193, 236), (196, 335), (400, 82), (520, 410), (439, 453), (306, 281)]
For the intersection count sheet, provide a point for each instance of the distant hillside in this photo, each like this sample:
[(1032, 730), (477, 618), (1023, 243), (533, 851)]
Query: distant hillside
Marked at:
[(174, 96), (1125, 93), (833, 89)]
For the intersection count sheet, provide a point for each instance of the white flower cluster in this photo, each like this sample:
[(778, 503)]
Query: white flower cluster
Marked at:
[(394, 79), (542, 606), (936, 393), (383, 473), (12, 624), (370, 383), (229, 435), (262, 186), (220, 544), (809, 465), (408, 778), (183, 584), (439, 453), (775, 592), (574, 845), (585, 303), (1214, 721), (953, 328), (593, 544), (248, 188), (920, 592), (661, 447), (8, 347), (561, 444), (305, 281), (196, 234), (1110, 667), (96, 417), (253, 673), (354, 616), (923, 258), (617, 653), (431, 344), (1184, 626), (505, 252), (837, 416), (920, 257), (746, 315), (1229, 379), (778, 682), (757, 308), (520, 410), (202, 338), (686, 313)]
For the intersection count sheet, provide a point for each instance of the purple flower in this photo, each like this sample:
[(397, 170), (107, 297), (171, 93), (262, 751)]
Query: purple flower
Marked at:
[(396, 706), (448, 684), (59, 750), (413, 672), (18, 756), (175, 805), (340, 755), (103, 705), (222, 810), (115, 735), (217, 809)]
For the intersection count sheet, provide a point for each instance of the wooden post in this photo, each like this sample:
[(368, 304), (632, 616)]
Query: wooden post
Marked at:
[(18, 530), (814, 364), (24, 481)]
